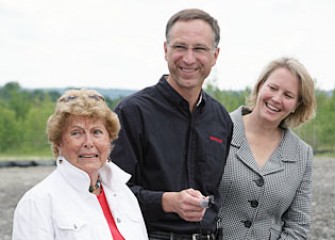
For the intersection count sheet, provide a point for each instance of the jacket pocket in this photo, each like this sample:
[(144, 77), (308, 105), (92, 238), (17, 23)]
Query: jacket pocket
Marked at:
[(70, 224), (274, 234), (68, 227)]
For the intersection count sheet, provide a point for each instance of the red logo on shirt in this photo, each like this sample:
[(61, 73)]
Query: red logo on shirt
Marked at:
[(215, 139)]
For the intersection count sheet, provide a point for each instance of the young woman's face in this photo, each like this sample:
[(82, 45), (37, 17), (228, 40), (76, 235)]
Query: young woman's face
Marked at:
[(85, 143), (278, 96)]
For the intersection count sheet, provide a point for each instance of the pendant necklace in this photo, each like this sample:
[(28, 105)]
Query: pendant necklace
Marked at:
[(96, 186)]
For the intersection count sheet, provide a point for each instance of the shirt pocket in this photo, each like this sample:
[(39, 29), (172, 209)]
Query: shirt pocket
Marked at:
[(214, 163), (69, 227)]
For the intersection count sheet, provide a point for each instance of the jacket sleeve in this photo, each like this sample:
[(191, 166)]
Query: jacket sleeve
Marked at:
[(297, 219), (32, 221), (129, 154)]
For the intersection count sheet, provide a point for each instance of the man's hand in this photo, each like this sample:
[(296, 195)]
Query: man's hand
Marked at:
[(185, 203)]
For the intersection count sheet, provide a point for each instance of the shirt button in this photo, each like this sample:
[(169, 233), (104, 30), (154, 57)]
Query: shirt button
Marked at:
[(118, 220), (247, 223), (259, 182), (253, 203)]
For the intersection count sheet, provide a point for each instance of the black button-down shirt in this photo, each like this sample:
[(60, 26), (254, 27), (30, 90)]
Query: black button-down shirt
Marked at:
[(167, 148)]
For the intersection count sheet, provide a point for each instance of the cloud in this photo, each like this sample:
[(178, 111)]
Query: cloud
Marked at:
[(110, 43)]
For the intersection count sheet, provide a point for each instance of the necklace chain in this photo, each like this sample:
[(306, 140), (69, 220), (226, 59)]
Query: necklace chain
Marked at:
[(96, 186)]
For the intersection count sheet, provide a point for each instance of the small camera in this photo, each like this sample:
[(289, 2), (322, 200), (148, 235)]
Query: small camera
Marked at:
[(207, 202)]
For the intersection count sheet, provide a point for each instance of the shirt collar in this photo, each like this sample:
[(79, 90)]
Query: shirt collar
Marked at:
[(112, 176), (174, 97), (200, 99)]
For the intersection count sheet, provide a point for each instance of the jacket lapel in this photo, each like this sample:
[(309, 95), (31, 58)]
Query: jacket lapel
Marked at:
[(287, 151)]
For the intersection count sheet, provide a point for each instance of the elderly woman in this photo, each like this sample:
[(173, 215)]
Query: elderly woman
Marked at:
[(86, 197), (267, 182)]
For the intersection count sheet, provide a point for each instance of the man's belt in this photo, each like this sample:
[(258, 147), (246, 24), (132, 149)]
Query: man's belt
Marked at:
[(178, 236)]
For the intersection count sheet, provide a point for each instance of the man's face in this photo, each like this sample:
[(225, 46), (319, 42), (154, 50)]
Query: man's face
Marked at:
[(190, 54)]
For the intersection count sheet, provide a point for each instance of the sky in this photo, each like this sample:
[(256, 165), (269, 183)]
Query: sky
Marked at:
[(119, 43)]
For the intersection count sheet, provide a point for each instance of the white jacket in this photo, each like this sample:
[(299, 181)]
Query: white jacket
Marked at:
[(61, 207)]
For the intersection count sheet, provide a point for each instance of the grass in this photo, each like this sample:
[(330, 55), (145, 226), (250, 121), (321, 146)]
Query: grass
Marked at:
[(18, 157)]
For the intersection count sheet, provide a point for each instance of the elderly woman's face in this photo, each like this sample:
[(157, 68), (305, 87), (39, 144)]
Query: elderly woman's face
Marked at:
[(85, 143)]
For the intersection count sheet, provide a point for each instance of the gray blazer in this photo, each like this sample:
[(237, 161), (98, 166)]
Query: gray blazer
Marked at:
[(269, 203)]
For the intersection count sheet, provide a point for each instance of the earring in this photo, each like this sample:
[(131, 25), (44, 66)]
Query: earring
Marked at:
[(60, 155)]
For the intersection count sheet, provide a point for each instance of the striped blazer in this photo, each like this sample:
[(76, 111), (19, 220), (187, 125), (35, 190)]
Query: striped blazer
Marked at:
[(269, 203)]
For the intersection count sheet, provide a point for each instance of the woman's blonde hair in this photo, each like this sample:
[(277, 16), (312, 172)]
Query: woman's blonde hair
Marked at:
[(306, 103), (88, 103)]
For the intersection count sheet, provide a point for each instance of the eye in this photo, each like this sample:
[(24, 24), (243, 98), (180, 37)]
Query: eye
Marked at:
[(289, 96), (200, 49), (76, 133), (272, 88), (179, 48), (97, 132)]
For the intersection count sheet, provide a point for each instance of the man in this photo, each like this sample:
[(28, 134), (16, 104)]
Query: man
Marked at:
[(175, 138)]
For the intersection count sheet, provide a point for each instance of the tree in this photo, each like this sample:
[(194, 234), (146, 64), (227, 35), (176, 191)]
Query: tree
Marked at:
[(34, 139), (9, 134), (16, 99)]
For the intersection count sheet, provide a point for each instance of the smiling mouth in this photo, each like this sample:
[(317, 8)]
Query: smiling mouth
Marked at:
[(88, 156), (272, 108), (188, 70)]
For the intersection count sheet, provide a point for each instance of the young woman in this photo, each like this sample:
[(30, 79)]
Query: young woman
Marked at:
[(267, 182)]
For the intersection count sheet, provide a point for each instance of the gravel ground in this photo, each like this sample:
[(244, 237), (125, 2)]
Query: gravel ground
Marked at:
[(16, 180)]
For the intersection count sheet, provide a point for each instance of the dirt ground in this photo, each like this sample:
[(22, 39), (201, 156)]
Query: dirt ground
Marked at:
[(17, 180)]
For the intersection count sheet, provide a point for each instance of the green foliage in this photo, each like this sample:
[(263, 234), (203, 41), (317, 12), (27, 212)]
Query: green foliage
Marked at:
[(24, 115), (23, 119), (230, 99), (319, 132), (34, 134), (8, 131), (16, 99), (112, 103)]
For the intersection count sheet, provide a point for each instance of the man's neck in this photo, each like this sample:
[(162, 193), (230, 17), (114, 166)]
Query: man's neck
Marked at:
[(191, 95)]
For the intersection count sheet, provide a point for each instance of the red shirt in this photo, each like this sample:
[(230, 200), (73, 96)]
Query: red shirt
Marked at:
[(108, 215)]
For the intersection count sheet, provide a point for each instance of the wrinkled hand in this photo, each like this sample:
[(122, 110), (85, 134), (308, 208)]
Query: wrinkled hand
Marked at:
[(185, 203)]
